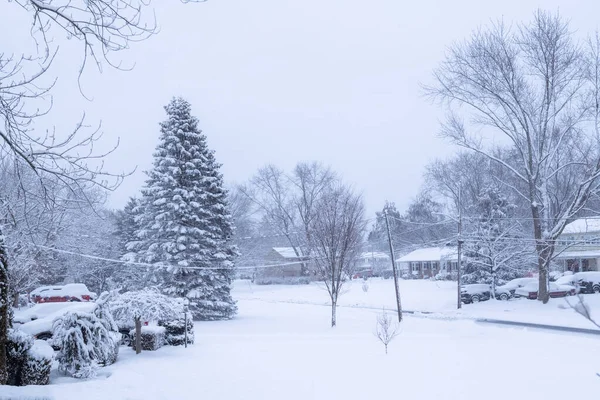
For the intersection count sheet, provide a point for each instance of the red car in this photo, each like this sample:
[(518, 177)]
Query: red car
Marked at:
[(59, 294), (531, 290)]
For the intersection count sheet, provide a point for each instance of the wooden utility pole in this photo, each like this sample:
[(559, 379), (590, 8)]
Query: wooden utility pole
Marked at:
[(459, 249), (398, 302)]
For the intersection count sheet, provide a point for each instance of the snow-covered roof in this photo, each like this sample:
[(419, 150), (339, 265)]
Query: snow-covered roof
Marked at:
[(430, 254), (287, 252), (583, 225), (565, 255), (375, 254)]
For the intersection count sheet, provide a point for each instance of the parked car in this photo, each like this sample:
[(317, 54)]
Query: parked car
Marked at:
[(589, 282), (570, 280), (365, 273), (531, 290), (59, 294), (38, 320), (480, 292), (513, 285)]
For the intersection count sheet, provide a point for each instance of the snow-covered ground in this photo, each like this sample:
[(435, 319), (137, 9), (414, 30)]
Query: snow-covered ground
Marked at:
[(439, 297), (275, 349)]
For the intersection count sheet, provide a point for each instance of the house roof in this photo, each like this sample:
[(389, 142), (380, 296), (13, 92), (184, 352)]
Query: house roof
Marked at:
[(430, 254), (583, 225), (287, 252), (574, 254), (375, 254)]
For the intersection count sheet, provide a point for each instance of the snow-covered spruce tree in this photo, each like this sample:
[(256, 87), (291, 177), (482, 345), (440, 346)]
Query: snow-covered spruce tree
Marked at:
[(185, 228)]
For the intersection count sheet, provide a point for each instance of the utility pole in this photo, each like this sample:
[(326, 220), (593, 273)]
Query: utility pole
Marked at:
[(459, 249), (398, 303)]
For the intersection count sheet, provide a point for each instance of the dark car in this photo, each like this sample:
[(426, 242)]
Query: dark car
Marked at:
[(588, 282), (481, 292)]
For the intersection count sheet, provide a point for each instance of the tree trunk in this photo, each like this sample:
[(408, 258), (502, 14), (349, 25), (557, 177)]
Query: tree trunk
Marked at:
[(138, 336), (16, 300), (542, 249), (333, 315), (543, 264), (4, 311)]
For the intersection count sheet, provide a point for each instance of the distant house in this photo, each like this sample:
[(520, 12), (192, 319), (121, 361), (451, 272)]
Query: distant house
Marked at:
[(286, 263), (376, 261), (578, 247), (429, 261)]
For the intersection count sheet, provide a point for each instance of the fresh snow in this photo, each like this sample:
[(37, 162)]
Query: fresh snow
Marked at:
[(41, 350), (275, 349), (286, 252)]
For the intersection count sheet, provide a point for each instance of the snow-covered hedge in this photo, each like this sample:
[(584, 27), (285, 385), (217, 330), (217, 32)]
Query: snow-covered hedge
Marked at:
[(152, 337), (29, 360), (38, 364), (175, 331), (149, 305), (272, 280)]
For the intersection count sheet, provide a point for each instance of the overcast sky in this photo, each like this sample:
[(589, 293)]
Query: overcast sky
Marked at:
[(282, 81)]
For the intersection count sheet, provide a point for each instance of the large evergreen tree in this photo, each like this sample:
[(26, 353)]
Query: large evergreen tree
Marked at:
[(185, 228)]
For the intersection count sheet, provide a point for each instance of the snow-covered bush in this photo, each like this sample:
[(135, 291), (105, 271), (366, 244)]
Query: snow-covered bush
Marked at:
[(152, 337), (85, 343), (274, 280), (38, 364), (17, 345), (29, 360), (175, 331), (130, 309)]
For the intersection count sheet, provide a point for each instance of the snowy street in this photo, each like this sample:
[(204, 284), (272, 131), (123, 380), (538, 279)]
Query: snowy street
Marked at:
[(280, 350)]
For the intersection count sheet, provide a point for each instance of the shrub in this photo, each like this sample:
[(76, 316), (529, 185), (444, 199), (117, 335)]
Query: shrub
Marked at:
[(85, 343), (29, 360), (297, 280), (38, 364), (152, 337), (175, 331), (17, 345)]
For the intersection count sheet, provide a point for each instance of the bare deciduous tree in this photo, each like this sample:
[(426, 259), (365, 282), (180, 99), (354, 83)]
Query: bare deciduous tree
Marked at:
[(336, 238), (538, 87), (386, 329)]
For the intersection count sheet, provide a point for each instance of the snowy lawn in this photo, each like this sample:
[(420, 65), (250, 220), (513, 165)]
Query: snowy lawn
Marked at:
[(284, 351), (424, 295)]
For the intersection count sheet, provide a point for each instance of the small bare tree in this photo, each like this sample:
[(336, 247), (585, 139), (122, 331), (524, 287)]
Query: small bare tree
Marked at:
[(386, 329), (336, 238), (537, 86)]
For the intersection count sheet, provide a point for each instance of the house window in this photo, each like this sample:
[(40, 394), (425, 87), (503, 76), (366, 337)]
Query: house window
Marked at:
[(426, 265), (435, 265)]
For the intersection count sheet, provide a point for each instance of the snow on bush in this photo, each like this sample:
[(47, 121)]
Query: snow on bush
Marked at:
[(152, 337), (85, 341), (38, 364), (175, 331), (29, 360), (130, 309), (148, 305), (273, 280)]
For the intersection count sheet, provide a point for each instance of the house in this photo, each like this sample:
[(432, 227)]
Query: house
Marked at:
[(286, 263), (375, 261), (578, 247), (428, 262)]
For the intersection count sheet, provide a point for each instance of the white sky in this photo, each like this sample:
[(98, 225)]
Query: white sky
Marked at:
[(281, 81)]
